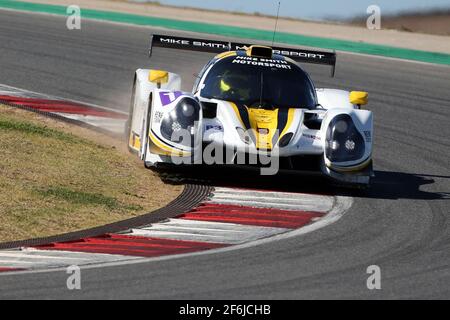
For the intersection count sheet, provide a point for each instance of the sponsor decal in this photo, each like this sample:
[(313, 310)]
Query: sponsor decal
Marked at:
[(261, 62), (311, 136), (158, 116), (222, 46), (368, 136), (299, 54), (167, 97), (194, 43), (213, 127)]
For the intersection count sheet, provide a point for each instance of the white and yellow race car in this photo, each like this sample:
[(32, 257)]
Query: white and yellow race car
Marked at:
[(251, 106)]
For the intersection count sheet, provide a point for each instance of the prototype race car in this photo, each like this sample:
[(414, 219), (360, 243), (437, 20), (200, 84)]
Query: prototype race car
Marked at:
[(252, 106)]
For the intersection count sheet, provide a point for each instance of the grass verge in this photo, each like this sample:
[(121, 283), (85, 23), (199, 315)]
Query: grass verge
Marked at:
[(57, 178)]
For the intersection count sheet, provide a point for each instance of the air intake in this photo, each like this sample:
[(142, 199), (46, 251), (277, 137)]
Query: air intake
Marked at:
[(260, 51)]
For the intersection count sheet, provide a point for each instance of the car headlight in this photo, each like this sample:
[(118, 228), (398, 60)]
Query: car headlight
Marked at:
[(343, 140), (183, 117)]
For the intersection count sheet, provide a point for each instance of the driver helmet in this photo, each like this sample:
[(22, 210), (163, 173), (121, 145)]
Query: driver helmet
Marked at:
[(235, 84)]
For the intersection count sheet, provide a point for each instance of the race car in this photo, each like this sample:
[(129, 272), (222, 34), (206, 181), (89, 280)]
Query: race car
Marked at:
[(251, 106)]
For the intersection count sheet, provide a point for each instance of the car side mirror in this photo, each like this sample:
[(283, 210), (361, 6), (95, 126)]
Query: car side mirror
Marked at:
[(158, 76), (359, 97)]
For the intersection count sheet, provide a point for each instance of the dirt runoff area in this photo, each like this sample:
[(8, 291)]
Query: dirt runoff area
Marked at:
[(57, 178), (401, 39)]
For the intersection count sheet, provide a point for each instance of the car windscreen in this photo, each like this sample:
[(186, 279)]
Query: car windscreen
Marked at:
[(254, 81)]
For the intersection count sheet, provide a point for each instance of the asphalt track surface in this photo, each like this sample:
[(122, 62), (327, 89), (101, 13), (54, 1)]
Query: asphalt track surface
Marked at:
[(402, 223)]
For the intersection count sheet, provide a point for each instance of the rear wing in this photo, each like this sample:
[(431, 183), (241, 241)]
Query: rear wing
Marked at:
[(216, 46)]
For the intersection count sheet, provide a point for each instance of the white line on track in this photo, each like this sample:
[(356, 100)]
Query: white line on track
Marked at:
[(32, 94), (35, 258), (273, 199), (300, 198), (113, 125), (274, 204), (205, 231)]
